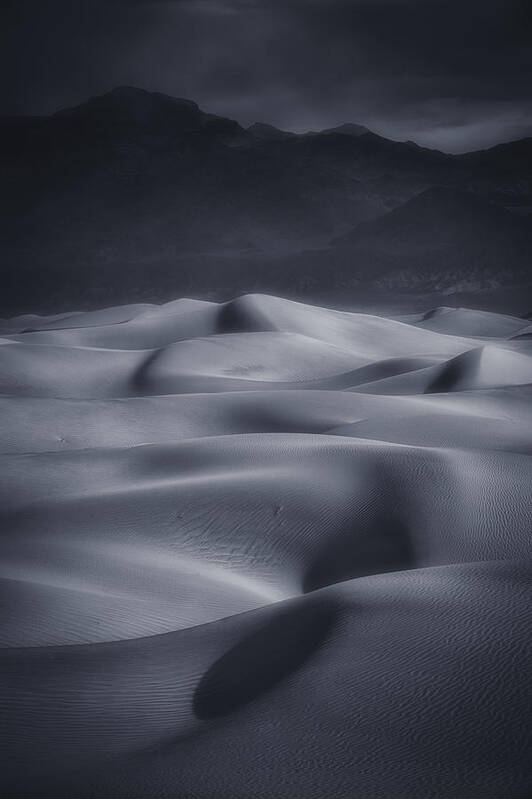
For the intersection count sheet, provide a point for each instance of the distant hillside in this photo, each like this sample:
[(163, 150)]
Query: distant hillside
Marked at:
[(440, 217), (454, 235), (139, 183)]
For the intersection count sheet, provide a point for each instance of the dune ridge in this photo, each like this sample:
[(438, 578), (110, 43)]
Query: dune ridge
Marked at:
[(261, 548)]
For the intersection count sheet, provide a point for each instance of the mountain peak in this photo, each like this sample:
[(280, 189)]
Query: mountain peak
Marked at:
[(127, 107), (261, 130), (348, 129), (133, 94), (132, 104)]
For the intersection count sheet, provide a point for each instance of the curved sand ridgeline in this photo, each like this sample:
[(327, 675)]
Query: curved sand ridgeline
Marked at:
[(260, 548)]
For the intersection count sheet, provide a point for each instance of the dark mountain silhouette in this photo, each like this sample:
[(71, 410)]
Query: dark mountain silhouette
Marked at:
[(447, 232), (503, 173), (135, 192), (348, 129), (126, 109), (261, 130), (440, 217)]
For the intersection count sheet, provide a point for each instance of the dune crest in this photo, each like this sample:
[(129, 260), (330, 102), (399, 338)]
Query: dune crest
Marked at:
[(259, 531)]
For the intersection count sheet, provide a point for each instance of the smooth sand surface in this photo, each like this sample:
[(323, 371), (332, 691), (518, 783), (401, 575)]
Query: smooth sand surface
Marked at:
[(265, 549)]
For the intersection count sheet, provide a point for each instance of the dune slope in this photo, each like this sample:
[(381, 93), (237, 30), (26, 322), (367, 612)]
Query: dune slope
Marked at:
[(260, 548)]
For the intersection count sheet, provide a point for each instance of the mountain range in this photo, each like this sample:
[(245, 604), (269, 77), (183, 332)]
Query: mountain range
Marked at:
[(136, 194)]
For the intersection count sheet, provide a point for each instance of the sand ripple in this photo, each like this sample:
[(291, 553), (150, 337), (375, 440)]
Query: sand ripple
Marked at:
[(265, 549)]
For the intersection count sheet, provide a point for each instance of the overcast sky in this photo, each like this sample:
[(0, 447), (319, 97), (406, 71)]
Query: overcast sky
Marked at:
[(453, 74)]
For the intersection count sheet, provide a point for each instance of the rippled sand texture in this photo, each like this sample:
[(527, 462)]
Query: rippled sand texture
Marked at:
[(264, 549)]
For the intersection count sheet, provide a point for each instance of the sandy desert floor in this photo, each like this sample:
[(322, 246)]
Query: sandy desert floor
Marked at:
[(265, 549)]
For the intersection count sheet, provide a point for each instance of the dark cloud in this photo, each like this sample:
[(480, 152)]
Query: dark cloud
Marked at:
[(451, 74)]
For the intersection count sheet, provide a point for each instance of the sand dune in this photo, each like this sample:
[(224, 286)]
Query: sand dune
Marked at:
[(485, 367), (369, 337), (260, 532), (468, 322), (76, 319)]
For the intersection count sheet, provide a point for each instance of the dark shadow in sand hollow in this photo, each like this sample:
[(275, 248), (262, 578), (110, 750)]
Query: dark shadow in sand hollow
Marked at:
[(260, 661), (383, 546)]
